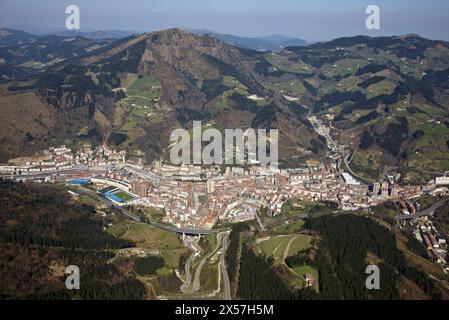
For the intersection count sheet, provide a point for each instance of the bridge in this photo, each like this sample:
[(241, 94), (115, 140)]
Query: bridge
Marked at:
[(427, 212)]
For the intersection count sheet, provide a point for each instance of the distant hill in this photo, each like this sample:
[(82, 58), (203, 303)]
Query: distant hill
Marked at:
[(268, 43), (98, 35), (39, 31), (11, 36), (23, 54)]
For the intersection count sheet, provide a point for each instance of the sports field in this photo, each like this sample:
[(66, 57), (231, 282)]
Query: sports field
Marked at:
[(118, 195), (123, 195)]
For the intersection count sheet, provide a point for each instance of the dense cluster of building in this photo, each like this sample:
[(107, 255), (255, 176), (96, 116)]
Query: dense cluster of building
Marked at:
[(199, 197), (62, 158), (424, 230), (427, 233)]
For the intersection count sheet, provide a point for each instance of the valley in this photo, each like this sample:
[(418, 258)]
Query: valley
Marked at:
[(362, 177)]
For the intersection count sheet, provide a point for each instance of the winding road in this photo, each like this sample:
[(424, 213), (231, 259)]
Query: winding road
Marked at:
[(347, 164), (287, 249), (189, 288), (186, 284), (224, 271)]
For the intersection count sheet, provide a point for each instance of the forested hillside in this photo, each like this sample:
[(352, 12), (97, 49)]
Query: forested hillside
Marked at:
[(42, 231), (348, 244)]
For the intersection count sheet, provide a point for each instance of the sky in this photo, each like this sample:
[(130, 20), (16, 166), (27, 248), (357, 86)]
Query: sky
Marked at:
[(313, 20)]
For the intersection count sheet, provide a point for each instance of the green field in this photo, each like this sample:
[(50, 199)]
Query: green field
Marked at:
[(146, 236), (209, 277), (299, 206), (137, 110), (283, 63), (290, 87), (431, 152), (276, 246), (289, 227), (300, 273), (367, 164), (146, 87), (123, 195), (343, 66), (383, 87)]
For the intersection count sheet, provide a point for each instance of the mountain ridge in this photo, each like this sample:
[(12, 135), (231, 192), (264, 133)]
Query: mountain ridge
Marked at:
[(360, 84)]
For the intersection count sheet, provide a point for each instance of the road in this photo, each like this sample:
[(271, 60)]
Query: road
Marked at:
[(320, 129), (364, 180), (262, 227), (287, 249), (186, 284), (47, 174), (332, 145), (189, 288), (443, 282), (196, 280), (142, 172), (224, 270), (110, 204)]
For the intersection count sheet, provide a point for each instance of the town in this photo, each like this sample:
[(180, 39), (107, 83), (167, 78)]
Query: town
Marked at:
[(198, 198)]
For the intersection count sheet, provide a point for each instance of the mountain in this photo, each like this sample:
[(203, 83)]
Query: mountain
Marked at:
[(13, 37), (385, 98), (134, 91), (269, 43), (98, 35)]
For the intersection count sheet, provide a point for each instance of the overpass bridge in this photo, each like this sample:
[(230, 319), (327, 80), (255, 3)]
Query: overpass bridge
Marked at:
[(427, 212)]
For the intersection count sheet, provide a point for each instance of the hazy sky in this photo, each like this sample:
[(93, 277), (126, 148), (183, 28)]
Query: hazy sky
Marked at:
[(310, 20)]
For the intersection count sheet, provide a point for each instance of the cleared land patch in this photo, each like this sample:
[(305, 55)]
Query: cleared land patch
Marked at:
[(276, 246)]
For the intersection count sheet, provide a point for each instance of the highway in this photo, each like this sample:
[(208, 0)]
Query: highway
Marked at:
[(46, 174), (110, 204), (320, 130)]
